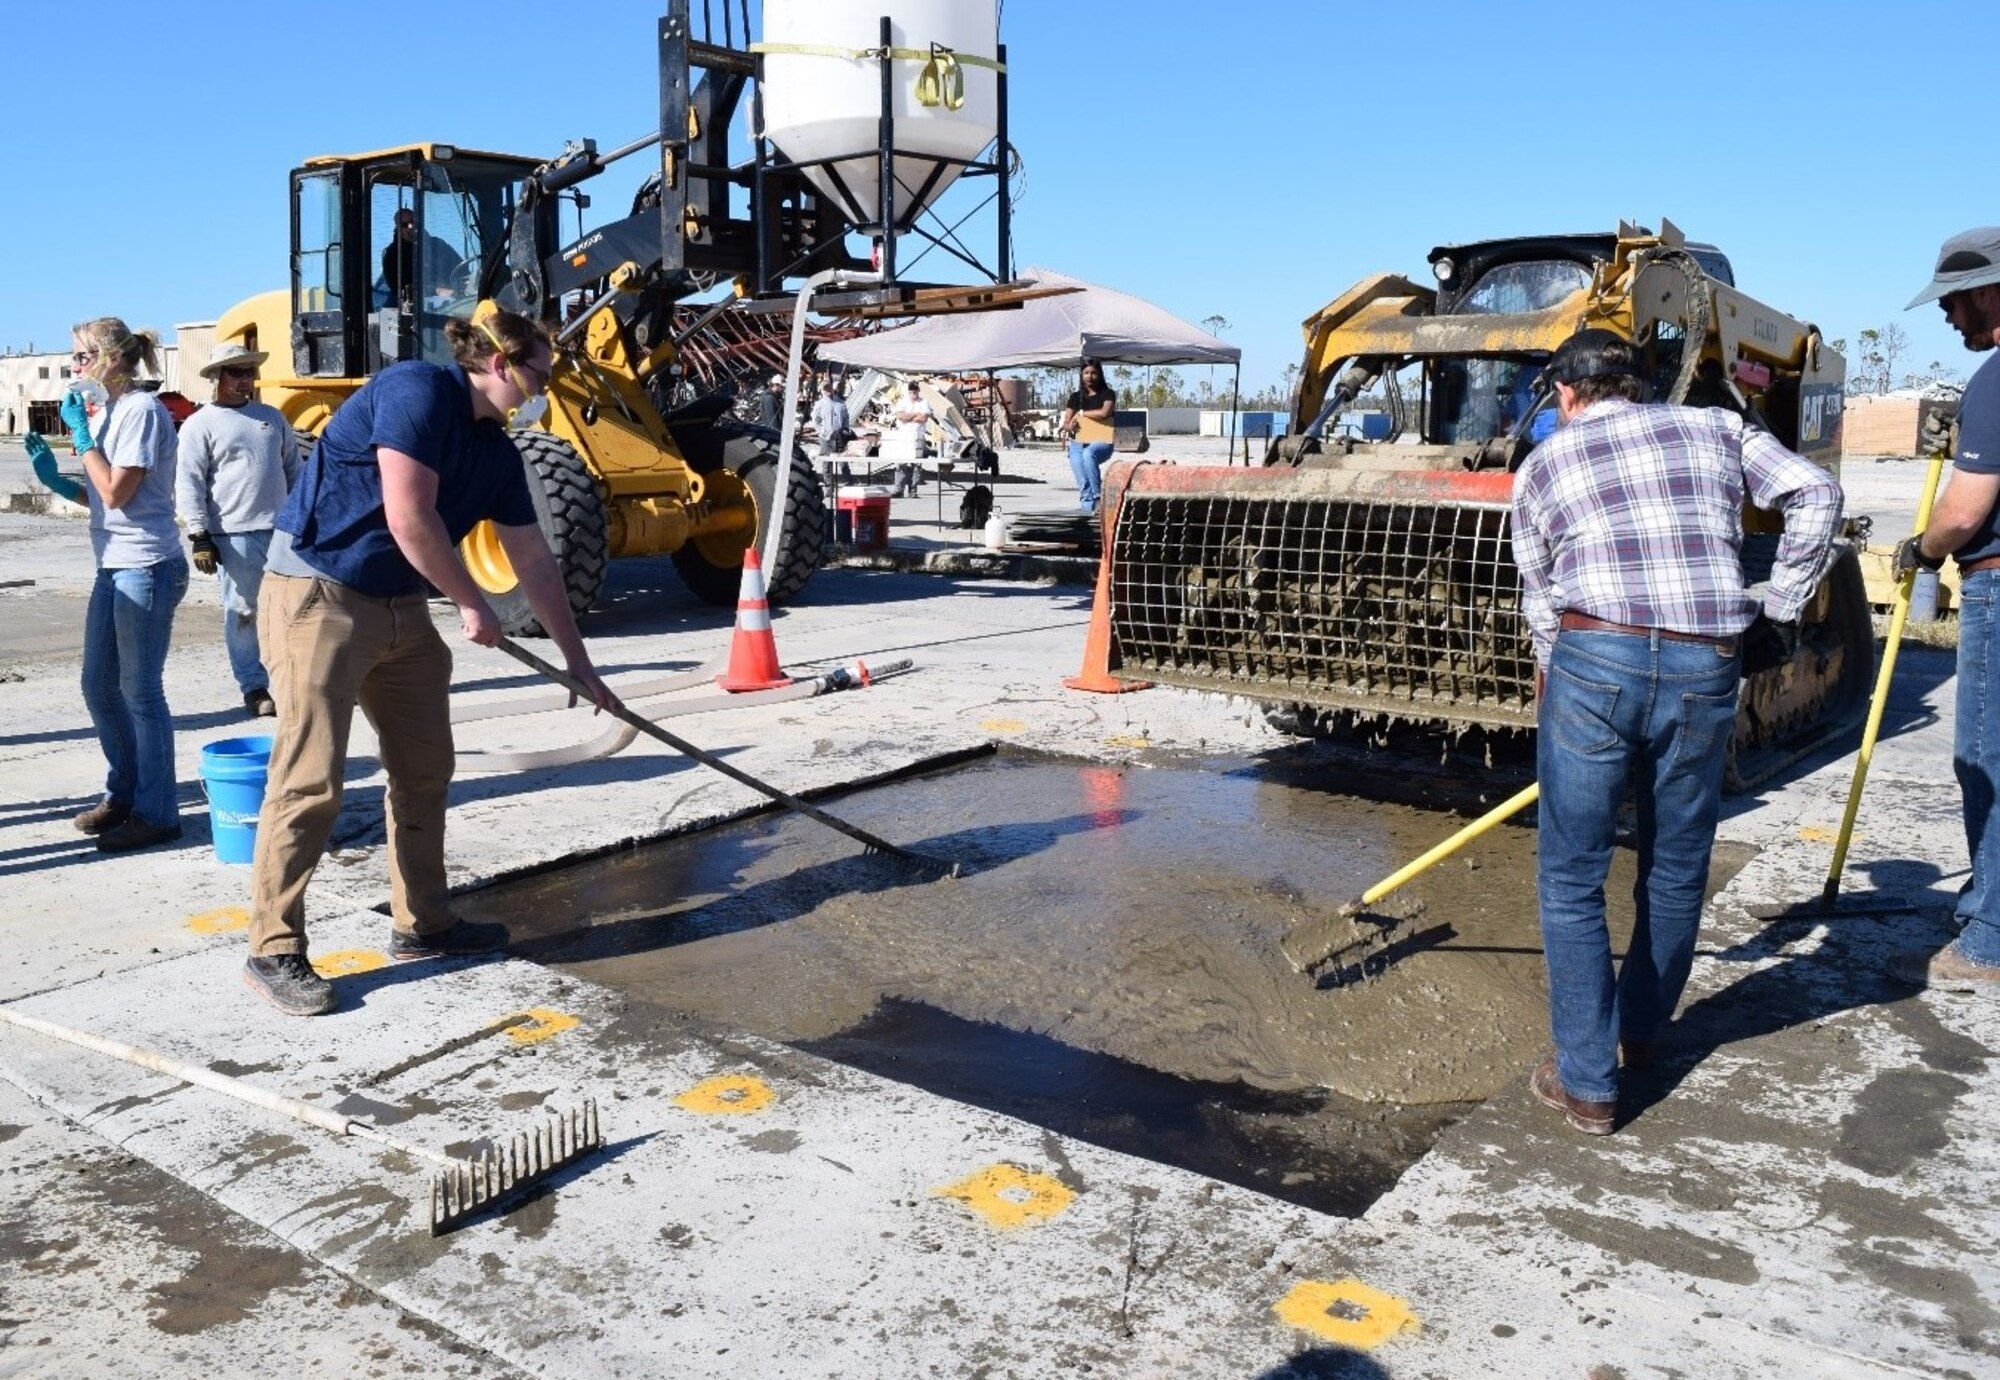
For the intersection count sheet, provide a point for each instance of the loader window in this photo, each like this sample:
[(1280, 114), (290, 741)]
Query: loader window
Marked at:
[(1535, 285), (316, 215), (1475, 400)]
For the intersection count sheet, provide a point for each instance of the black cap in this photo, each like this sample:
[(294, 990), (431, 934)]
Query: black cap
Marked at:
[(1593, 354)]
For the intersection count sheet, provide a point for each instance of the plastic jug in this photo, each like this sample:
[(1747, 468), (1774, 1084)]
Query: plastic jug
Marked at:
[(996, 531)]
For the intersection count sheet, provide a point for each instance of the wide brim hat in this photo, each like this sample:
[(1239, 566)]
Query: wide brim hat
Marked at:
[(1968, 260), (233, 356)]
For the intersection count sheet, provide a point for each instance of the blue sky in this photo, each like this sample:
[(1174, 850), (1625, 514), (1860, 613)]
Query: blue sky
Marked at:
[(1249, 160)]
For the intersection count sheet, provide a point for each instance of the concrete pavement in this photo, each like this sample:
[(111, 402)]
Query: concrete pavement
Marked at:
[(1808, 1187)]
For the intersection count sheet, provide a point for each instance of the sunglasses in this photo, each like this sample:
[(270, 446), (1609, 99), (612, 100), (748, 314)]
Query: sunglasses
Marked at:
[(237, 373), (84, 356), (540, 376)]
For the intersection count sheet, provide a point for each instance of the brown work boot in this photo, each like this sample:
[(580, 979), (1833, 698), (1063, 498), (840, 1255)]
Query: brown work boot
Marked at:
[(1947, 970), (1591, 1118), (136, 833), (105, 814)]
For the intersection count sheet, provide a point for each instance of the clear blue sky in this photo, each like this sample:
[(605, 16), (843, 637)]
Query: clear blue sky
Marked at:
[(1246, 160)]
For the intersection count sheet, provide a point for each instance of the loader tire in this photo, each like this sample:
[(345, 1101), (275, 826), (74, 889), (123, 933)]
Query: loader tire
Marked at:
[(570, 507), (752, 452)]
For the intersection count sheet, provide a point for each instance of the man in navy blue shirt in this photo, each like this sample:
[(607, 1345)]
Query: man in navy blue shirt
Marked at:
[(400, 476), (1966, 526)]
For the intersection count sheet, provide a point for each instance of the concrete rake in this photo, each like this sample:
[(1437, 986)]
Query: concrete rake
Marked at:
[(460, 1189)]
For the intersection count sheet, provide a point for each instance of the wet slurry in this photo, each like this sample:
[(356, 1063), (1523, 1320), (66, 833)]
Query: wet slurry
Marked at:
[(1108, 965)]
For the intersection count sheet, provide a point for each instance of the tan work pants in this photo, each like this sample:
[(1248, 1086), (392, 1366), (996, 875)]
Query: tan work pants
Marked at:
[(329, 648)]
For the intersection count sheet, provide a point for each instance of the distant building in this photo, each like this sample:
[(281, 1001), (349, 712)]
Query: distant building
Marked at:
[(31, 385)]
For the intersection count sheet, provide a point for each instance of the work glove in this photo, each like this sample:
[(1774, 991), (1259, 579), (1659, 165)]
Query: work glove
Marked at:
[(76, 417), (203, 547), (1768, 645), (1910, 558), (44, 461)]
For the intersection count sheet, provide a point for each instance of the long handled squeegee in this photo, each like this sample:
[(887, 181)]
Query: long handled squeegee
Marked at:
[(708, 759), (459, 1189), (1315, 939)]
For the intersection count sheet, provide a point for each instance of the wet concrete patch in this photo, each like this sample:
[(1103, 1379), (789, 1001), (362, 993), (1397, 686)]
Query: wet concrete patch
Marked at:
[(1108, 967)]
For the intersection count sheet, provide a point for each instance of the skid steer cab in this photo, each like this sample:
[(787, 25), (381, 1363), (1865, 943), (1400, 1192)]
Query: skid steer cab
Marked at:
[(388, 246)]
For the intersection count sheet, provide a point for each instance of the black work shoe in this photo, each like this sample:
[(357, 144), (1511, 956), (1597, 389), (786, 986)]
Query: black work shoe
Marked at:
[(289, 983), (260, 704), (1591, 1118), (459, 938), (136, 833), (105, 814)]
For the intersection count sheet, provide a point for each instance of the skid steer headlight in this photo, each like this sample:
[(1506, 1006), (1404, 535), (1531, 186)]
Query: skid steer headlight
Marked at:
[(1444, 268)]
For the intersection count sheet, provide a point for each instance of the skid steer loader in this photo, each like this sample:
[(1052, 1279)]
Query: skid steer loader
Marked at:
[(1363, 584)]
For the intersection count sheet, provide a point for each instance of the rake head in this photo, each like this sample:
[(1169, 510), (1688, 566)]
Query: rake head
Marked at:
[(471, 1186)]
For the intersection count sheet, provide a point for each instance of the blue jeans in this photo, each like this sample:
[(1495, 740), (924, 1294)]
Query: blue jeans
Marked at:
[(1624, 708), (1975, 759), (242, 555), (125, 636), (1086, 462)]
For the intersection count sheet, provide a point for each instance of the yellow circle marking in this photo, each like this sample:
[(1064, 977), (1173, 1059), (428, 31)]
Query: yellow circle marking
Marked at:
[(732, 1094), (1346, 1311), (1008, 1196), (348, 962), (220, 921), (1126, 741), (1813, 833), (1003, 726), (540, 1023)]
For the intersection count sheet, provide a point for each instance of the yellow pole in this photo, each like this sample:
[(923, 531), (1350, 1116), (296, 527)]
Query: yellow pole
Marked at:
[(1513, 805), (1897, 618)]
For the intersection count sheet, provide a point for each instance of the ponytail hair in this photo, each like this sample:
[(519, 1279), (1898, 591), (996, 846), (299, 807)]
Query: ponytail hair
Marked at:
[(120, 350), (474, 342)]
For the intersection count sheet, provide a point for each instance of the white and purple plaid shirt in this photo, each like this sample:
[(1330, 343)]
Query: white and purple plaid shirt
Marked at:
[(1633, 513)]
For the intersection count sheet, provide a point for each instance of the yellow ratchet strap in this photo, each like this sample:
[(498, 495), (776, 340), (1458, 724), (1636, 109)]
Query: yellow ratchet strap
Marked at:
[(939, 82)]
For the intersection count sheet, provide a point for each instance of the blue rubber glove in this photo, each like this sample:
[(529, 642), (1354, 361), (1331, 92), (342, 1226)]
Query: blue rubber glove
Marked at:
[(44, 461), (77, 418)]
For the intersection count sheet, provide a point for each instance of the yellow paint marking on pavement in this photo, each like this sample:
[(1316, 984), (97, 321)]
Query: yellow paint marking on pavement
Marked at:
[(537, 1023), (1003, 726), (221, 921), (1345, 1311), (1814, 833), (1008, 1196), (348, 962), (732, 1094), (1127, 741)]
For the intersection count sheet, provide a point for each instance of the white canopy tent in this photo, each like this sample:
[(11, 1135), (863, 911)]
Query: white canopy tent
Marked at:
[(1051, 332), (1091, 323)]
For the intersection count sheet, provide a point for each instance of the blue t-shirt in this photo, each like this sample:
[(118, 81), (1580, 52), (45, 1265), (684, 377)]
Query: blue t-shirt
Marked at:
[(335, 511), (1979, 453)]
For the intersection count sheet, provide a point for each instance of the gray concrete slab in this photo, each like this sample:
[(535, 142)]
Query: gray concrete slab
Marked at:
[(1808, 1191)]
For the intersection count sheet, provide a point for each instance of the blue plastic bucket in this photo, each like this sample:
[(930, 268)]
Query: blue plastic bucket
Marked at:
[(232, 777)]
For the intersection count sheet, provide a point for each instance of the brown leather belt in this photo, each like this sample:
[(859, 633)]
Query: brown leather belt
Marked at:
[(1974, 567), (1583, 622)]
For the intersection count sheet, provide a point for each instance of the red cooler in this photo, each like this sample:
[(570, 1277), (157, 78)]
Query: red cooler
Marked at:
[(866, 510)]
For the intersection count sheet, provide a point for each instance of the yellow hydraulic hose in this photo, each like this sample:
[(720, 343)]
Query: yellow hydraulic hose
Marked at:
[(1897, 618)]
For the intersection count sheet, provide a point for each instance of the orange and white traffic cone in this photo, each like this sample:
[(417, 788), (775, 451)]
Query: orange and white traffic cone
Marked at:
[(1095, 675), (753, 651)]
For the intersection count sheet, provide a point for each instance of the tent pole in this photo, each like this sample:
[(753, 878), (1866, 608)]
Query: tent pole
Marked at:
[(1235, 396)]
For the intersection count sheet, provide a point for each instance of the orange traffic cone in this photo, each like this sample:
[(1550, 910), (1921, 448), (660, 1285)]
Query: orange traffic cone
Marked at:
[(753, 651), (1096, 673)]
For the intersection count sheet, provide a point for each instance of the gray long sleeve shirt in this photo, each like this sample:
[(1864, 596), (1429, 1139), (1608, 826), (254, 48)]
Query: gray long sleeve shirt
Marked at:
[(236, 466)]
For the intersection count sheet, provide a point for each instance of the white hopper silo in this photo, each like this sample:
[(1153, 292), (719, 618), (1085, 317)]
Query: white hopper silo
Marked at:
[(822, 95)]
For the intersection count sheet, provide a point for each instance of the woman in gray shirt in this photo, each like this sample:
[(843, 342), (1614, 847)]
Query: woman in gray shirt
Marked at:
[(126, 444)]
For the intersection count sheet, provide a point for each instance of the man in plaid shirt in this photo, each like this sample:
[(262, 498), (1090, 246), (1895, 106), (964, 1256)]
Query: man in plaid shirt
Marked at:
[(1627, 527)]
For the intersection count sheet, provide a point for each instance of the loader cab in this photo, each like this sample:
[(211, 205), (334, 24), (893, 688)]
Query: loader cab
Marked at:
[(1474, 399), (386, 247)]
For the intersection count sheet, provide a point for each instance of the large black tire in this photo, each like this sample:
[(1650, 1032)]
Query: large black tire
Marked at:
[(751, 451), (570, 506)]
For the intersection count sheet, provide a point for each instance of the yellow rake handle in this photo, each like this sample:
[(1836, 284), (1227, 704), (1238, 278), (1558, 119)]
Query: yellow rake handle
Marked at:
[(1507, 808), (1897, 618)]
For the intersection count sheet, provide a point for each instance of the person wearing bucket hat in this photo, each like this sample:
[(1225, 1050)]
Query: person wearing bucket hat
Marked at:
[(238, 460), (1627, 524), (1965, 525)]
